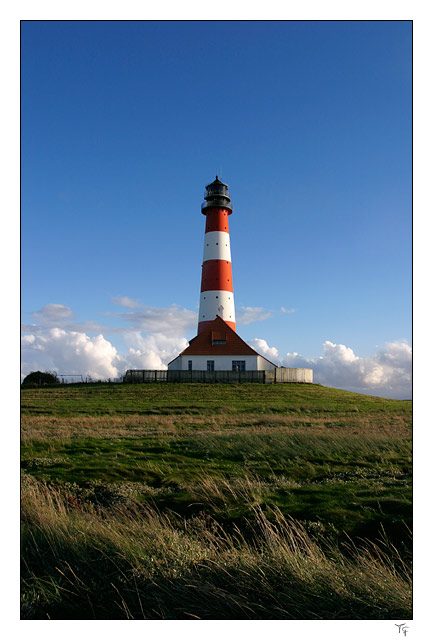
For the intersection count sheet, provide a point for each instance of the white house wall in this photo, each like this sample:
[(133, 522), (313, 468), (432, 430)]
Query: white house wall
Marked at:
[(176, 364), (222, 363), (264, 365)]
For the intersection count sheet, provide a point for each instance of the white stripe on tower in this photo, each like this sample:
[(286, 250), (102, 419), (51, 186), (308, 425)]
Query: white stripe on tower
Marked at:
[(217, 246), (216, 298), (217, 303)]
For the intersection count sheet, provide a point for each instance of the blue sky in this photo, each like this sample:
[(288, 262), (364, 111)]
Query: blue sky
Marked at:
[(123, 124)]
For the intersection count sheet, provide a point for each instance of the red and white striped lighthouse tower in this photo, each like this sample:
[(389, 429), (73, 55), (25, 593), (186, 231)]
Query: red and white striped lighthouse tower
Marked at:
[(216, 297)]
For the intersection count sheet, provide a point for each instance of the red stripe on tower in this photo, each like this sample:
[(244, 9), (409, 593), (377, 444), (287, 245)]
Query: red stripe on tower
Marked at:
[(216, 297)]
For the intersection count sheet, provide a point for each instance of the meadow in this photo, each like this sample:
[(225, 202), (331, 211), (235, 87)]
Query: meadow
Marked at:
[(240, 501)]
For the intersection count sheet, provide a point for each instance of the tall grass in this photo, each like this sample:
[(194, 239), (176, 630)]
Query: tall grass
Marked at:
[(135, 425), (131, 561), (215, 501)]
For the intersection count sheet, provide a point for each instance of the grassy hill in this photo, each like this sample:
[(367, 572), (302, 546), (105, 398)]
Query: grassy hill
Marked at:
[(249, 492)]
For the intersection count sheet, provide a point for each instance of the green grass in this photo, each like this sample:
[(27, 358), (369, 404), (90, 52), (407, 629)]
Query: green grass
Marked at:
[(349, 482), (338, 463), (201, 399), (135, 563)]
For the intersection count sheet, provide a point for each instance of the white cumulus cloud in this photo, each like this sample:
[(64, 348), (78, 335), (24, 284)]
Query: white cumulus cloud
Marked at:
[(61, 343), (69, 352), (151, 351), (386, 373), (262, 347)]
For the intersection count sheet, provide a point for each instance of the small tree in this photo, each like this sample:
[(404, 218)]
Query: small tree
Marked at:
[(40, 379)]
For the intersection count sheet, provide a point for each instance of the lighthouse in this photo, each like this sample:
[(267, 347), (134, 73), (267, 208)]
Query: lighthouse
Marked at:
[(217, 346), (217, 353), (216, 294)]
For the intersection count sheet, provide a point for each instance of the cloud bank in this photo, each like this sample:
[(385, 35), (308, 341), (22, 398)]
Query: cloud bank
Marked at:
[(57, 342), (386, 373), (154, 336), (69, 353), (75, 353)]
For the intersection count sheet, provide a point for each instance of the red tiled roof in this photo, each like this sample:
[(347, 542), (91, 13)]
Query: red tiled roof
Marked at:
[(218, 335), (202, 344)]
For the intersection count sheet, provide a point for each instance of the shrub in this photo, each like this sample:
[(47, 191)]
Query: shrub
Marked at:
[(40, 379)]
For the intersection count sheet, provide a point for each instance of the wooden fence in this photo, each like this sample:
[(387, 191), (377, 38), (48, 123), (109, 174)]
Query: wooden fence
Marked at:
[(280, 374)]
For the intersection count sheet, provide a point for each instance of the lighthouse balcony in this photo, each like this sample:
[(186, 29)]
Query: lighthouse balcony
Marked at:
[(218, 203)]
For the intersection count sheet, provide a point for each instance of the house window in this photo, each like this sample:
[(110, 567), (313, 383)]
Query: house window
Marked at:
[(218, 341), (238, 365), (211, 365), (189, 365)]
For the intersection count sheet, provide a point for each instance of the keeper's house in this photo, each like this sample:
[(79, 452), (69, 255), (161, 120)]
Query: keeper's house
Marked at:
[(218, 348)]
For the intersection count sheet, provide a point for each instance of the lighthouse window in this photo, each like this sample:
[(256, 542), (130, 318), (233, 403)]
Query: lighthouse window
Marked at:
[(216, 296), (238, 365)]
